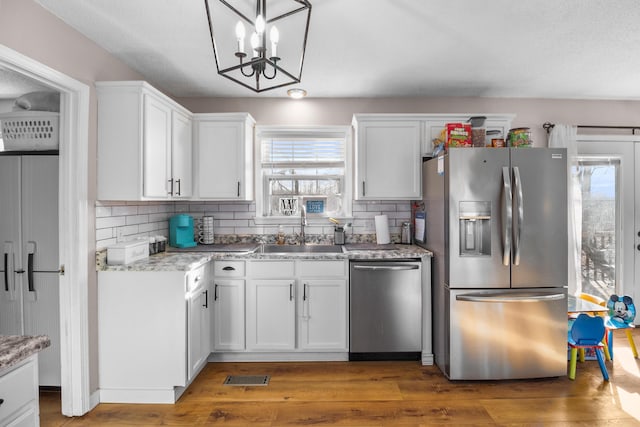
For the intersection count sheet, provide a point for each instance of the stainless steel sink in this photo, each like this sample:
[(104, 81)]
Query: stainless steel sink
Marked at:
[(300, 249)]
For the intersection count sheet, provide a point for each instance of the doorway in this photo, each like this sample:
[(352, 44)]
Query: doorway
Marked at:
[(73, 227), (607, 194)]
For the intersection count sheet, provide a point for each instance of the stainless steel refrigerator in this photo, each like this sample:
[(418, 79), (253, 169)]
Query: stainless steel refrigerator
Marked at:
[(496, 220), (29, 293)]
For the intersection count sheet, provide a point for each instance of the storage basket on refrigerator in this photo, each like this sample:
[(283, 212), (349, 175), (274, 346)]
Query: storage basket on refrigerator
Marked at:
[(30, 130)]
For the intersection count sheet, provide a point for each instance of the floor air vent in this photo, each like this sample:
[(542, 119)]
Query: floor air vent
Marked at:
[(247, 380)]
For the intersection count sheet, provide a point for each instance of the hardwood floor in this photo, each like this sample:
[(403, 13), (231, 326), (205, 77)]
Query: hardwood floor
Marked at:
[(383, 394)]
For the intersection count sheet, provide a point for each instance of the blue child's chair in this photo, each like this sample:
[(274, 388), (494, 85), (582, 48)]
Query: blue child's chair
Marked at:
[(622, 312), (586, 332)]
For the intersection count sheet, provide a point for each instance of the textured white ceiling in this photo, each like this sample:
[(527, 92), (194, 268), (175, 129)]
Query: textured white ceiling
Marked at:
[(581, 49), (13, 84)]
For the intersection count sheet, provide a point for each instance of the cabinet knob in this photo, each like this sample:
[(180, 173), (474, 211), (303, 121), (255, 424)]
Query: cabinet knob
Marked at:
[(1, 401)]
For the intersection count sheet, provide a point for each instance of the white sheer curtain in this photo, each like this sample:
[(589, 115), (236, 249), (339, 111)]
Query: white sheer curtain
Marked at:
[(565, 136)]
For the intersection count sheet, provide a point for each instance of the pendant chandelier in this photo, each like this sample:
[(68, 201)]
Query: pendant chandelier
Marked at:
[(259, 44)]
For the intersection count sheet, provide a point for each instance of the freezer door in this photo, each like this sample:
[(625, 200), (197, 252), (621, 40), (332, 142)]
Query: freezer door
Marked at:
[(506, 334), (478, 208), (540, 235), (40, 213), (10, 295)]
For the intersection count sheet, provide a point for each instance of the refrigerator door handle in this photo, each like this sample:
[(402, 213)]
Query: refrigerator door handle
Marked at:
[(517, 230), (502, 298), (30, 285), (506, 215), (6, 272)]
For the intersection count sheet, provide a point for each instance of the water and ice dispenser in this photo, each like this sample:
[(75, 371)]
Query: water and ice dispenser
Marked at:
[(475, 228)]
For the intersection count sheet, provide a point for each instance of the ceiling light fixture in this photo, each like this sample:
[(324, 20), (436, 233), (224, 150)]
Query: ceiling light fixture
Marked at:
[(297, 93), (270, 65)]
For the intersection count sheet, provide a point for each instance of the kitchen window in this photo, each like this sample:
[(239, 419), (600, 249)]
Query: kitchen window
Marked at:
[(303, 167)]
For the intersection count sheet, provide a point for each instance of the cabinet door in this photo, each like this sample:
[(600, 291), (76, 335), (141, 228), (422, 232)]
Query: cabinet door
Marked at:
[(156, 138), (389, 161), (181, 155), (271, 309), (199, 329), (220, 160), (228, 315), (323, 314)]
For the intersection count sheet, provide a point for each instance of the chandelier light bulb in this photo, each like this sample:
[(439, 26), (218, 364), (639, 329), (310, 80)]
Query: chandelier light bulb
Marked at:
[(260, 25), (255, 43), (274, 36), (240, 34)]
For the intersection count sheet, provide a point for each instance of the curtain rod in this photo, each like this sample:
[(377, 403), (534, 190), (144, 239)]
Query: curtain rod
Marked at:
[(548, 126)]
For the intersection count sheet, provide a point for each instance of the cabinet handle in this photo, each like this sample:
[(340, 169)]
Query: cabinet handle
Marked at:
[(304, 292), (290, 291), (178, 192), (215, 292), (228, 268), (238, 188), (1, 401), (170, 192), (364, 193), (206, 298)]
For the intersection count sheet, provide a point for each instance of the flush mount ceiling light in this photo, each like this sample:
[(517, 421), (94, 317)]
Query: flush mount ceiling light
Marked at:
[(297, 93), (267, 62)]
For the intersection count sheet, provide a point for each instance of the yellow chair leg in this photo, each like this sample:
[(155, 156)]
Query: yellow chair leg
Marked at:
[(632, 343), (572, 363), (581, 353), (605, 348)]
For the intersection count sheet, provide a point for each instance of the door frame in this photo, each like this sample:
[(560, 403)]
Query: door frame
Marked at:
[(73, 226), (596, 146)]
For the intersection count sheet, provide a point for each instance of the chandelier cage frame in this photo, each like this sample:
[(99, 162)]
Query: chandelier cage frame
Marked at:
[(259, 64)]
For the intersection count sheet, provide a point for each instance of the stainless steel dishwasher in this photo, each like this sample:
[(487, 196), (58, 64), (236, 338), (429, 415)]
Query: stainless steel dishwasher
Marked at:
[(385, 310)]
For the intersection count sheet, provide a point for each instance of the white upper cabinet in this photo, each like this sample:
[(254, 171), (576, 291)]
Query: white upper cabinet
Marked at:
[(182, 154), (144, 144), (223, 156), (390, 147), (388, 158)]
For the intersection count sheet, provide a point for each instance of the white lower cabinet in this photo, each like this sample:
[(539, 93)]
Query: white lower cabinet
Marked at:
[(323, 316), (153, 333), (228, 315), (297, 306), (271, 315), (199, 326), (19, 399), (228, 329)]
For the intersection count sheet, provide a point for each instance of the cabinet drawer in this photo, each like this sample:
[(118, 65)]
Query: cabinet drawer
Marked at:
[(18, 388), (196, 277), (323, 268), (228, 268), (271, 269)]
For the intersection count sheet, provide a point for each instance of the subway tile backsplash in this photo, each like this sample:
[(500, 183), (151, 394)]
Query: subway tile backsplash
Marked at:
[(123, 221)]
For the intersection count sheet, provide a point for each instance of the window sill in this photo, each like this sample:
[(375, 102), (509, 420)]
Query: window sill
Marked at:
[(295, 220)]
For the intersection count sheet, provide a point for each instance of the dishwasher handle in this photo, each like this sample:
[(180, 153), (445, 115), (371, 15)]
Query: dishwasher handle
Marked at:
[(501, 298), (387, 267)]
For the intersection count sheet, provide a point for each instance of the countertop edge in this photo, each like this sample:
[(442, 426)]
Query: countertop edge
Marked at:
[(15, 348), (186, 261)]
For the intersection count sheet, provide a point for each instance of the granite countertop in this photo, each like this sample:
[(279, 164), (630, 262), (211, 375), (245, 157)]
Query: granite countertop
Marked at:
[(14, 348), (185, 260)]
